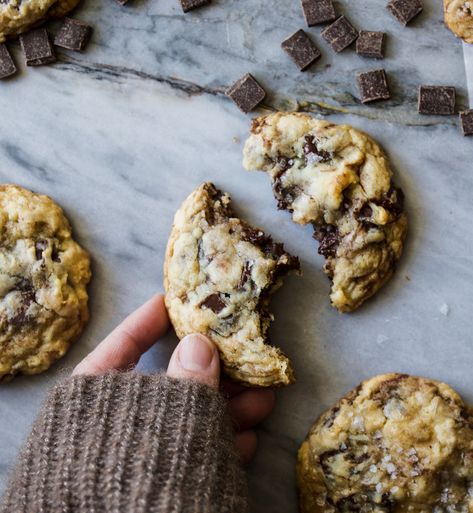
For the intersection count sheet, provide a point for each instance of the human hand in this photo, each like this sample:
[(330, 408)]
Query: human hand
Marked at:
[(195, 357)]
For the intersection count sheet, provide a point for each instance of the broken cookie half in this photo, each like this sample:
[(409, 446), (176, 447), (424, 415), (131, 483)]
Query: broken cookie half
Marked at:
[(338, 179), (219, 273)]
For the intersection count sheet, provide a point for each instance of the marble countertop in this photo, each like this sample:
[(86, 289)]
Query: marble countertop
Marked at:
[(121, 134)]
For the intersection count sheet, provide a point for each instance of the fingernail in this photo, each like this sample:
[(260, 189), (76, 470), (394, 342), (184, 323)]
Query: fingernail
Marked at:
[(195, 353)]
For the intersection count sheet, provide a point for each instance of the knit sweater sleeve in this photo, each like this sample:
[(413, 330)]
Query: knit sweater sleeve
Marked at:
[(131, 443)]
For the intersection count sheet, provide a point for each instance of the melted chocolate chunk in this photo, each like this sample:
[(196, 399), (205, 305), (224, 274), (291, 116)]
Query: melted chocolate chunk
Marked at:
[(40, 246), (313, 153), (332, 415), (284, 164), (365, 212), (55, 255), (214, 302), (284, 195), (329, 239), (27, 297), (245, 274), (393, 202), (263, 241)]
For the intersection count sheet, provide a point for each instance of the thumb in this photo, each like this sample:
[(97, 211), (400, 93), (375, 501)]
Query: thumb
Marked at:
[(195, 357)]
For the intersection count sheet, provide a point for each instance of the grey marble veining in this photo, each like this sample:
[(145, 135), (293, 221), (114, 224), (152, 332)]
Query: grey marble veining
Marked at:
[(121, 134)]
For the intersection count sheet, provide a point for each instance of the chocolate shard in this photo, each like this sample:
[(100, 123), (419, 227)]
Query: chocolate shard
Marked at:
[(318, 11), (301, 49), (370, 44), (37, 47), (73, 35), (40, 246), (466, 121), (246, 93), (7, 66), (404, 10), (214, 302), (373, 85), (188, 5), (437, 100), (340, 34)]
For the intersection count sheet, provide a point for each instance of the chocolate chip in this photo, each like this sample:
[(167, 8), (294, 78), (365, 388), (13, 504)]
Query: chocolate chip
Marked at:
[(393, 202), (340, 34), (214, 302), (37, 48), (466, 120), (318, 11), (245, 274), (246, 93), (404, 10), (301, 49), (7, 66), (373, 86), (437, 100), (188, 5), (73, 35), (55, 255), (329, 239), (40, 246), (312, 153), (370, 44)]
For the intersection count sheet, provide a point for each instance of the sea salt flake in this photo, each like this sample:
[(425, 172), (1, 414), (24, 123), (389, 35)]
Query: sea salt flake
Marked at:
[(379, 487), (373, 469), (390, 468), (394, 489), (387, 458), (358, 423)]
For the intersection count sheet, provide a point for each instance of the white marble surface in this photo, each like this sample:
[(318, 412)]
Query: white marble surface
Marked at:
[(121, 134)]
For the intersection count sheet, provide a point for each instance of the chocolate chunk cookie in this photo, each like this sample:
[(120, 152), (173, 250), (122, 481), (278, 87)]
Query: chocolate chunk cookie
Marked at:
[(17, 16), (459, 18), (43, 278), (219, 274), (396, 443), (339, 179)]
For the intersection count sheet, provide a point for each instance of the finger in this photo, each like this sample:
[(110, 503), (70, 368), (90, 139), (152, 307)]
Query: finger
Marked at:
[(195, 357), (128, 341), (246, 442), (251, 407)]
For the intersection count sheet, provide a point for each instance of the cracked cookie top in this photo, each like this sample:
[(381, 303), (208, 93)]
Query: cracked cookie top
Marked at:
[(338, 179), (219, 273), (43, 278), (396, 443), (459, 18)]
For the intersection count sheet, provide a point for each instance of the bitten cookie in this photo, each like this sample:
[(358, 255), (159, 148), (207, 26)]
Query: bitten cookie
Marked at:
[(17, 16), (219, 274), (459, 18), (338, 179), (396, 443), (43, 278)]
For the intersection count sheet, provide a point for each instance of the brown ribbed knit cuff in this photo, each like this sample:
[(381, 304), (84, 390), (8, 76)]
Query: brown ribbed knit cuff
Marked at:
[(129, 443)]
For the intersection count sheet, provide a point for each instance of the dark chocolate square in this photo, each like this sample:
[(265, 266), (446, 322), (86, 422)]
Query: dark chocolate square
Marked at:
[(340, 34), (370, 44), (318, 11), (73, 35), (405, 10), (188, 5), (301, 49), (7, 66), (37, 47), (466, 120), (437, 100), (373, 86), (246, 93)]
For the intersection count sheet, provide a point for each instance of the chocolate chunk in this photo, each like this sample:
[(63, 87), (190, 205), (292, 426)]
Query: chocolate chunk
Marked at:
[(246, 93), (55, 255), (188, 5), (437, 100), (214, 302), (245, 274), (329, 239), (37, 48), (73, 35), (404, 10), (318, 11), (466, 120), (301, 49), (340, 34), (373, 86), (393, 202), (312, 153), (7, 66), (40, 246), (370, 44)]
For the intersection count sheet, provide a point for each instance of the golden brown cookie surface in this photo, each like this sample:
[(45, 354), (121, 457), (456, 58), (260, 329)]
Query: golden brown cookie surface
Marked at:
[(43, 278), (459, 18), (396, 443)]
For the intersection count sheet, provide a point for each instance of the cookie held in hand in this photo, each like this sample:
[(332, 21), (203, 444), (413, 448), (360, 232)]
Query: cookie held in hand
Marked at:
[(338, 179), (43, 279), (219, 274), (394, 443)]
